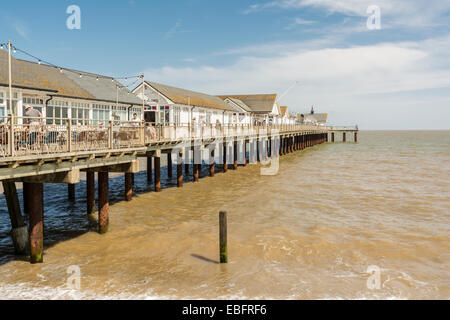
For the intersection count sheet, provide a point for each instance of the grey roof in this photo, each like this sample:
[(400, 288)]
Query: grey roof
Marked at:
[(241, 104), (258, 103), (104, 88), (31, 75), (183, 96)]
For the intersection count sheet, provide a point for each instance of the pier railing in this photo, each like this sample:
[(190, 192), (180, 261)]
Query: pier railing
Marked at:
[(24, 136)]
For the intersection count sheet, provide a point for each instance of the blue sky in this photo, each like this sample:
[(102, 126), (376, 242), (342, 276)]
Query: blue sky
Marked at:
[(397, 77)]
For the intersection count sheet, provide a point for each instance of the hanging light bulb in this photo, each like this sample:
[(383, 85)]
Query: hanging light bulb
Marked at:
[(15, 50), (97, 78), (1, 47), (60, 70), (39, 62), (81, 75)]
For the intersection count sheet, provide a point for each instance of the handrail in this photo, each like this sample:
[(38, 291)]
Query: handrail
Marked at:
[(23, 136)]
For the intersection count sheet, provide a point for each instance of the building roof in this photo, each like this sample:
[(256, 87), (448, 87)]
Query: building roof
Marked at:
[(241, 104), (31, 75), (258, 103), (188, 97)]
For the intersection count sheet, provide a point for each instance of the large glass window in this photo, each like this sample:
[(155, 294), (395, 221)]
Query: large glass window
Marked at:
[(101, 114), (80, 113), (57, 112)]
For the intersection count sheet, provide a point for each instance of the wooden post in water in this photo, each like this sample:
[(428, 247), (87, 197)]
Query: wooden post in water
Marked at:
[(103, 202), (197, 160), (90, 192), (149, 169), (19, 232), (169, 165), (356, 137), (157, 174), (344, 136), (36, 223), (332, 137), (223, 237), (128, 186)]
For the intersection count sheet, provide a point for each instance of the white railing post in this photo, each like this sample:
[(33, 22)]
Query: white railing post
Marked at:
[(110, 135), (11, 136), (69, 136)]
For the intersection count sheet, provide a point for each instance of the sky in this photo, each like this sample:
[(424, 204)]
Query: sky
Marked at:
[(310, 52)]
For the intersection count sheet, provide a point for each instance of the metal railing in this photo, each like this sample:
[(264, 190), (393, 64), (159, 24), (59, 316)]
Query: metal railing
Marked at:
[(27, 136)]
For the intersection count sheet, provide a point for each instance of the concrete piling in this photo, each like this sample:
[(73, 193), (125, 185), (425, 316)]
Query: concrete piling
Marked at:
[(128, 186), (71, 192), (90, 192), (180, 170), (149, 169), (157, 182), (19, 232), (103, 202), (36, 223), (169, 165)]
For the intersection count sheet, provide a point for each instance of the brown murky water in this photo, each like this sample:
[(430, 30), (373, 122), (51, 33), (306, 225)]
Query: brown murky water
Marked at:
[(309, 232)]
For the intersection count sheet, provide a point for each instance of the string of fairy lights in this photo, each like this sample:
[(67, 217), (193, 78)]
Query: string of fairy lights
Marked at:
[(81, 74)]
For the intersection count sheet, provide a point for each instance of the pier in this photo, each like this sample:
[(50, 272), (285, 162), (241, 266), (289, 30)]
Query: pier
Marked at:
[(115, 149)]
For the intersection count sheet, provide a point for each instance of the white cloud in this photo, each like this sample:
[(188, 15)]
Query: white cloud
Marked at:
[(334, 78), (298, 22), (417, 13)]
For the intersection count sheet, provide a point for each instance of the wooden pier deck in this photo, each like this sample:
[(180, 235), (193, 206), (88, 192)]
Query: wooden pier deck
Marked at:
[(38, 154)]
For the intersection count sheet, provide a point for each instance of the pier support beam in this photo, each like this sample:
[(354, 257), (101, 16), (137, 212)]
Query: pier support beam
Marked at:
[(356, 137), (71, 192), (26, 193), (169, 165), (19, 232), (186, 161), (149, 169), (36, 223), (235, 155), (244, 150), (344, 137), (225, 157), (157, 174), (212, 168), (332, 137), (90, 192), (103, 202), (180, 170), (128, 186)]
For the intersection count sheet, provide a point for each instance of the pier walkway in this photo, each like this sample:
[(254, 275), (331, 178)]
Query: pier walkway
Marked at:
[(33, 153)]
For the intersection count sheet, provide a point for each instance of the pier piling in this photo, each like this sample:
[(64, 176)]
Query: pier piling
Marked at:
[(343, 136), (149, 169), (36, 223), (235, 156), (157, 174), (103, 202), (71, 192), (169, 165), (225, 158), (356, 137), (223, 237), (211, 163), (19, 232), (180, 170), (128, 186), (90, 192)]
